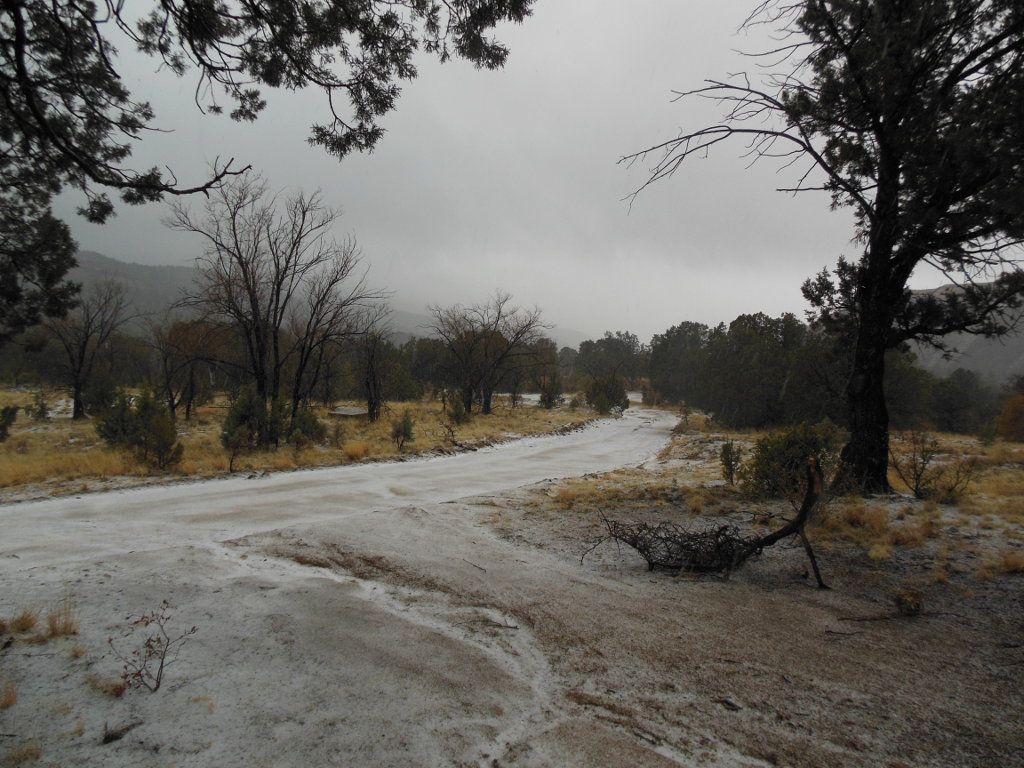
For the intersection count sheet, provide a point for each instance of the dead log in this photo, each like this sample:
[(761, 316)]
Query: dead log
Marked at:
[(668, 546)]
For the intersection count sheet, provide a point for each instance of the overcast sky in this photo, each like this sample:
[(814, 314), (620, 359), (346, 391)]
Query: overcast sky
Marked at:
[(510, 180)]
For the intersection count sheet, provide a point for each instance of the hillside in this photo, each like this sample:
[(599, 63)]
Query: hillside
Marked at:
[(154, 288)]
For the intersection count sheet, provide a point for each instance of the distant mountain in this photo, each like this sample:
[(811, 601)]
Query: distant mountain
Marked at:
[(993, 359), (149, 288), (152, 289)]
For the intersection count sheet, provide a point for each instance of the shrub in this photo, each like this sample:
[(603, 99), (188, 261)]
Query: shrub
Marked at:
[(730, 458), (401, 430), (551, 391), (250, 424), (40, 408), (917, 467), (143, 426), (1010, 424), (8, 414), (306, 428), (776, 467), (457, 413), (607, 393)]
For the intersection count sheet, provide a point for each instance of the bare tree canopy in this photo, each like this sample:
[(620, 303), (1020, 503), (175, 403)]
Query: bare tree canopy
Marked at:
[(908, 113), (484, 341), (274, 273), (84, 333)]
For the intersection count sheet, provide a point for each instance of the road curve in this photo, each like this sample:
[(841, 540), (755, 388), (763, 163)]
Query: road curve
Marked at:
[(101, 524)]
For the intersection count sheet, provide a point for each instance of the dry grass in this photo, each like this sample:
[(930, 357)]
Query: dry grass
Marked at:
[(77, 652), (24, 622), (112, 686), (62, 454), (61, 621), (8, 695), (23, 754), (356, 451), (1006, 563)]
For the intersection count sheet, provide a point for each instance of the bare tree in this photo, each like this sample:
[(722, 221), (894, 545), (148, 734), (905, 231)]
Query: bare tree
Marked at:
[(273, 271), (84, 333), (484, 342), (185, 352)]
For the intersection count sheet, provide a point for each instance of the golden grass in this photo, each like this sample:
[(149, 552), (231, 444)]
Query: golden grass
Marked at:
[(23, 754), (62, 454), (61, 621), (356, 451), (8, 696), (24, 621)]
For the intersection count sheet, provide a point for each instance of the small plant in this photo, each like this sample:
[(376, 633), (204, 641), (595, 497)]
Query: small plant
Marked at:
[(401, 431), (24, 621), (40, 408), (551, 391), (144, 666), (730, 457), (338, 434), (356, 451), (61, 622), (8, 414), (457, 413), (908, 601)]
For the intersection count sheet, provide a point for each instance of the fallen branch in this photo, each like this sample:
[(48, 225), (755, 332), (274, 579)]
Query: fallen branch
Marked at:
[(668, 546)]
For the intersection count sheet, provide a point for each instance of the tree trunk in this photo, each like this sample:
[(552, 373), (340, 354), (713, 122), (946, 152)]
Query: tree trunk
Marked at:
[(467, 399), (488, 395), (78, 404), (865, 458)]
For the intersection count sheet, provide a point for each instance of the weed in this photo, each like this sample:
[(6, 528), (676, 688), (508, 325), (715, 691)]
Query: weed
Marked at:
[(144, 666), (61, 622), (356, 451), (24, 621), (77, 652)]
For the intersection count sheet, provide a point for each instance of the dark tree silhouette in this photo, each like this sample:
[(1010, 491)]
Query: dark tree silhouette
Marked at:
[(68, 119), (908, 113)]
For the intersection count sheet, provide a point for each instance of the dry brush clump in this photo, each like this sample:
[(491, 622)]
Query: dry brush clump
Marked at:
[(721, 549)]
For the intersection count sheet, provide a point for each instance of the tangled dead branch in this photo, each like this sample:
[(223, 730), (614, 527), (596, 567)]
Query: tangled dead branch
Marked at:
[(715, 550)]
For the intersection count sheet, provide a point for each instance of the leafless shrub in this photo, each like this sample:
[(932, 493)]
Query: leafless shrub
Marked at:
[(144, 666)]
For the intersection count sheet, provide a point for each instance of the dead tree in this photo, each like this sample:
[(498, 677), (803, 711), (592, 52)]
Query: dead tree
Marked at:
[(668, 546)]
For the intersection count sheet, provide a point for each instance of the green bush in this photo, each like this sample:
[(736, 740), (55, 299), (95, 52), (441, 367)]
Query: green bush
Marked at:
[(250, 424), (731, 456), (40, 408), (607, 393), (776, 467), (143, 426), (551, 391), (456, 410), (401, 431), (306, 428)]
